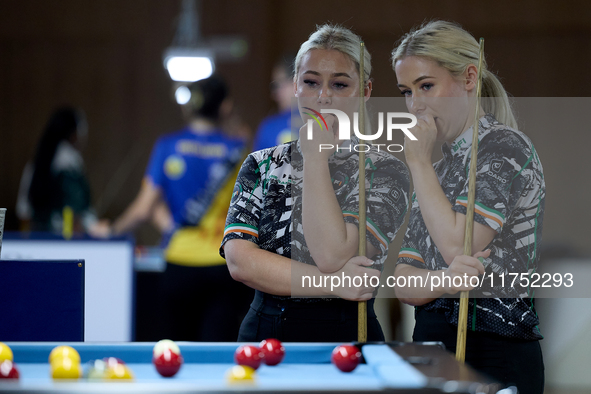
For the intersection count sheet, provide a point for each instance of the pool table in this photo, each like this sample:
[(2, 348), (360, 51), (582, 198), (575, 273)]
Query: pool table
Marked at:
[(393, 367)]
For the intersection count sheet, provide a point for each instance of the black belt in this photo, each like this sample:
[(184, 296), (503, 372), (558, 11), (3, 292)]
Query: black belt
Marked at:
[(305, 308)]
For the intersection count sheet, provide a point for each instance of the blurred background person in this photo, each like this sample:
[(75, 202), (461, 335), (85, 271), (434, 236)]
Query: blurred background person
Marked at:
[(276, 129), (54, 184), (186, 192)]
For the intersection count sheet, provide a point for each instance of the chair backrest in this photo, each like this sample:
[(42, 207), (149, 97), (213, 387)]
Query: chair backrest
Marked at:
[(42, 300)]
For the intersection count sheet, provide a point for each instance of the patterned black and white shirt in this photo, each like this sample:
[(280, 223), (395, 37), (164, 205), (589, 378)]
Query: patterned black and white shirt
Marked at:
[(266, 206), (510, 193)]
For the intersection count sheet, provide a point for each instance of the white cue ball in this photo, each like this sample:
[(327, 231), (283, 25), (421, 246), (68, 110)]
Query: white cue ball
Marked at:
[(164, 344)]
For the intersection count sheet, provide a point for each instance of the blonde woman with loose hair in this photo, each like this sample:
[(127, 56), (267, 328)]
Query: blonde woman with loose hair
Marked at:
[(295, 210), (338, 38), (436, 69)]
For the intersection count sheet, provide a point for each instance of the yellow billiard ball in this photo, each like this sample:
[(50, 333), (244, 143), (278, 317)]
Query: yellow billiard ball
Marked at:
[(119, 371), (64, 352), (240, 374), (65, 368), (5, 353)]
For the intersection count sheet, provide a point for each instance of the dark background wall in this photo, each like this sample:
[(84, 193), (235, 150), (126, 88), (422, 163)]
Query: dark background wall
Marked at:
[(106, 57)]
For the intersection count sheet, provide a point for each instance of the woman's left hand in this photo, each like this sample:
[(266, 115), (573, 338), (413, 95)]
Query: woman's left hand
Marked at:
[(101, 229), (420, 151), (323, 142)]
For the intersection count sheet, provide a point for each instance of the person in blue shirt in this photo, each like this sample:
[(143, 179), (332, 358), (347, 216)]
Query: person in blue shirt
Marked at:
[(276, 129), (192, 171)]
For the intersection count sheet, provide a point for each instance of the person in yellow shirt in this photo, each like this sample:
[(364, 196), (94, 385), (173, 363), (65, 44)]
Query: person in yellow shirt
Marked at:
[(193, 172)]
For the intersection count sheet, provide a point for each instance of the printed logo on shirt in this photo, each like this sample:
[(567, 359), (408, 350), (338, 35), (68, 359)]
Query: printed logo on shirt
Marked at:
[(391, 198), (458, 145), (395, 194), (237, 193), (339, 180), (206, 151), (497, 177), (496, 165), (174, 167)]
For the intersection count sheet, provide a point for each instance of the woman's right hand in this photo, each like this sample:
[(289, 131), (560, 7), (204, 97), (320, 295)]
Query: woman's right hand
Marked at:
[(317, 147), (464, 267), (357, 267), (420, 150)]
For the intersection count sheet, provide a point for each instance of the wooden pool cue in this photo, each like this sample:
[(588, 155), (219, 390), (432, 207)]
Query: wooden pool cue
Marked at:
[(362, 305), (463, 312)]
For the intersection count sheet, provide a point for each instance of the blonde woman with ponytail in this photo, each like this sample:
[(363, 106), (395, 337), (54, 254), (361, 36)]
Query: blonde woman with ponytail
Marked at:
[(436, 70)]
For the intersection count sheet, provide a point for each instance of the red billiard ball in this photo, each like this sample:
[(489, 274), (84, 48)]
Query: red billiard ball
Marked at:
[(346, 357), (248, 355), (167, 363), (8, 370), (273, 351)]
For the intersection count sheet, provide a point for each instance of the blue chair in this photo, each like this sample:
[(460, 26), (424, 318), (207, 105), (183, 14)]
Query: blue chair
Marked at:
[(42, 300)]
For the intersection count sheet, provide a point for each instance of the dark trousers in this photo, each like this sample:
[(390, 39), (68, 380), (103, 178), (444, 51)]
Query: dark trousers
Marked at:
[(332, 320), (509, 361), (202, 304)]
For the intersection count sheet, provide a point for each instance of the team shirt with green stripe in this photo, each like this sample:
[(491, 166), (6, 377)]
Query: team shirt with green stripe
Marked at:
[(510, 193), (266, 206)]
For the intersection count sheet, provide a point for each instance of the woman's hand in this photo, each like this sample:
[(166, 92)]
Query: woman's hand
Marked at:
[(357, 266), (420, 151), (319, 147), (100, 229), (465, 267)]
